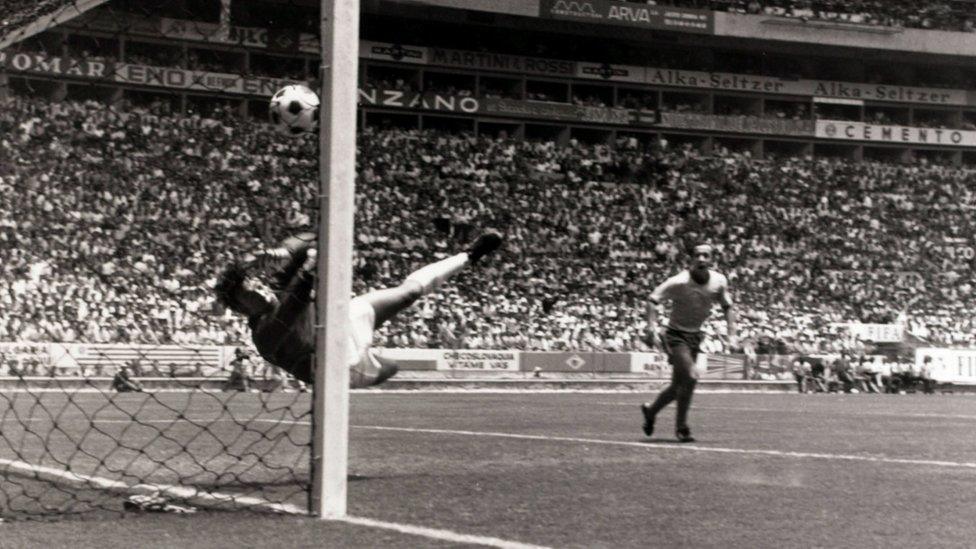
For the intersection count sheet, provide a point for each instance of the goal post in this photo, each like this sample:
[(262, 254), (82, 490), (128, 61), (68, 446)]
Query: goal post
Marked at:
[(129, 381), (337, 170)]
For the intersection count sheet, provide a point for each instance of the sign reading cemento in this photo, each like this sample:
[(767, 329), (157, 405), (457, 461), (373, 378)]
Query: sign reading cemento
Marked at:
[(863, 131)]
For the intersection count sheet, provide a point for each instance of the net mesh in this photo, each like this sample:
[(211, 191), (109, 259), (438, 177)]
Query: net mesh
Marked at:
[(136, 162)]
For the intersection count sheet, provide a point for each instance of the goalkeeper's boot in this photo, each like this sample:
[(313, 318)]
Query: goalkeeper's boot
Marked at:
[(386, 372), (684, 434), (388, 369), (648, 419), (484, 245)]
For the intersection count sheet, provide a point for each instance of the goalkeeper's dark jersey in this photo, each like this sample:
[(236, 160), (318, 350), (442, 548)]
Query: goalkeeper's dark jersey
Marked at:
[(285, 335)]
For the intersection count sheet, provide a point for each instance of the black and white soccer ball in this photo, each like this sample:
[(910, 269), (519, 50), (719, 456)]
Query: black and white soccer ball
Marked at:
[(294, 110)]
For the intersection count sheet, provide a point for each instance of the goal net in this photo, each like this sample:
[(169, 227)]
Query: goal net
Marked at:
[(135, 164)]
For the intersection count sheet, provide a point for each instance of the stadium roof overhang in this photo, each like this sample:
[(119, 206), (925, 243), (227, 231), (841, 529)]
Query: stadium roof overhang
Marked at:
[(19, 25), (501, 14)]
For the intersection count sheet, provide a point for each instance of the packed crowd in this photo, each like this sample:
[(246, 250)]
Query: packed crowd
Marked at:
[(114, 225), (14, 14), (850, 374), (955, 15)]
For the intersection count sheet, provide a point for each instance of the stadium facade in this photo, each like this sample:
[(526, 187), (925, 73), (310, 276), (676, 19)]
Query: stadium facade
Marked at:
[(591, 70)]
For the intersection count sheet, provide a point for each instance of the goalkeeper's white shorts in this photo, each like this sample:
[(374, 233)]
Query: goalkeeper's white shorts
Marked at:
[(363, 367)]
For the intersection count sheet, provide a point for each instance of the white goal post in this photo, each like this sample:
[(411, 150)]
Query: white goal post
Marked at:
[(337, 172)]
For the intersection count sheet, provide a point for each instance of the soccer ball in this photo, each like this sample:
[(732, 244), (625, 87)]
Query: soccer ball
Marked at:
[(294, 110)]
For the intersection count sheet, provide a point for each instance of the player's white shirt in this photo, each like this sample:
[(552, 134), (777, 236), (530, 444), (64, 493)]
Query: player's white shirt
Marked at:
[(692, 302)]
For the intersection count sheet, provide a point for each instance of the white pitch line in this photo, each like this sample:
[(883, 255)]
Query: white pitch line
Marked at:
[(718, 450), (51, 474), (783, 411), (436, 533), (685, 447)]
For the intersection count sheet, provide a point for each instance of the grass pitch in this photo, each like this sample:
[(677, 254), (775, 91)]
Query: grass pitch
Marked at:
[(559, 470)]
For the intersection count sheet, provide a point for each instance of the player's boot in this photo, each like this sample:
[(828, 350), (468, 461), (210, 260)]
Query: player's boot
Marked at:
[(388, 369), (386, 372), (648, 419), (484, 245), (684, 435)]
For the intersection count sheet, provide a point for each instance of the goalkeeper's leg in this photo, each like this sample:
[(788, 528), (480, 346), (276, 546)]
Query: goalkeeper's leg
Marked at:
[(389, 302)]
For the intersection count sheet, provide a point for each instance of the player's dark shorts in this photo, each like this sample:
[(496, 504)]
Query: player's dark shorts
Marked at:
[(676, 338)]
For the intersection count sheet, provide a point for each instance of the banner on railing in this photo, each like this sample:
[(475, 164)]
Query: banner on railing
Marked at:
[(430, 101), (591, 11), (448, 360), (906, 135), (877, 333), (556, 111), (485, 61), (948, 365), (631, 14), (738, 124)]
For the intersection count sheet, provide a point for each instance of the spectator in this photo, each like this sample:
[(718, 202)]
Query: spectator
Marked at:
[(586, 223), (803, 375), (240, 376), (123, 382)]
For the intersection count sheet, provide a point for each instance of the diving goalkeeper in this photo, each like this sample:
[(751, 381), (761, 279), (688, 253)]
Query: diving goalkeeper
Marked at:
[(282, 317)]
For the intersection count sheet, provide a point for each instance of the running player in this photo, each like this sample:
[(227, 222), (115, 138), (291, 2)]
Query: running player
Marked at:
[(692, 292), (281, 318)]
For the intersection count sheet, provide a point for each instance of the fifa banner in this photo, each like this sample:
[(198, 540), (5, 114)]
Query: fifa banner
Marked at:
[(631, 14), (556, 111), (739, 124), (878, 333), (949, 365), (903, 135), (453, 360), (576, 362)]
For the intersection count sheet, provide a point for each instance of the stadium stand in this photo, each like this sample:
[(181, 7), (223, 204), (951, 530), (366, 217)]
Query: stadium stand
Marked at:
[(956, 15), (613, 217)]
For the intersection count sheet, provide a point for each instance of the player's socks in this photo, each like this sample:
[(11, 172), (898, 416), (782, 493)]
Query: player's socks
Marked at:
[(435, 274), (648, 419), (684, 434), (484, 245)]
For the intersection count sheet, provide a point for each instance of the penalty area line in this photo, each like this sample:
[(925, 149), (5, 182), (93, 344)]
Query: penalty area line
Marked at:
[(684, 447)]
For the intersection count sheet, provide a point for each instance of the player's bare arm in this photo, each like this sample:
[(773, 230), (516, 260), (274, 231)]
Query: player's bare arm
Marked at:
[(651, 333), (731, 317)]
